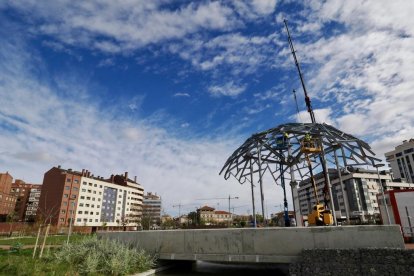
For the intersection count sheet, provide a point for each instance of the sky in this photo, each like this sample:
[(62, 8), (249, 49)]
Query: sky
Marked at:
[(167, 90)]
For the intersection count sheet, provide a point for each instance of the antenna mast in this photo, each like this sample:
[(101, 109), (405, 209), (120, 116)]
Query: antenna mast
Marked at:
[(307, 99)]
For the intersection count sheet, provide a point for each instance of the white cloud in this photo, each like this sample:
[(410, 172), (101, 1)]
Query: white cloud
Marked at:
[(181, 94), (41, 129), (227, 89), (364, 65), (122, 26)]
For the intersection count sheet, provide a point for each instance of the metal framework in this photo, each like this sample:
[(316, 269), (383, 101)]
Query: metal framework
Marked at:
[(280, 150)]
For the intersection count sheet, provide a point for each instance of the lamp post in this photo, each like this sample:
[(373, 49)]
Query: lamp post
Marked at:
[(382, 191)]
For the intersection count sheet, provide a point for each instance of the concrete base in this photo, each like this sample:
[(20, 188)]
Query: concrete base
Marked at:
[(263, 245)]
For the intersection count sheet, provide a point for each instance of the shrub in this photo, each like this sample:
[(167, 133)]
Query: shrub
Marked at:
[(99, 256)]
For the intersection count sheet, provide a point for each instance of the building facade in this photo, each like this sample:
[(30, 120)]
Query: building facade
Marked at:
[(24, 197), (7, 201), (82, 199), (152, 208), (211, 216), (361, 187), (401, 161)]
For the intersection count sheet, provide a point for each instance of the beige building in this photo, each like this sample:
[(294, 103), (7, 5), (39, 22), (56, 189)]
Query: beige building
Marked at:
[(211, 216), (401, 161), (87, 200), (361, 187)]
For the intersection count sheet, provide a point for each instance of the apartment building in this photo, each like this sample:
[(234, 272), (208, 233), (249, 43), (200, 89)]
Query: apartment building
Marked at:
[(401, 161), (7, 201), (24, 199), (152, 208), (361, 187), (212, 216), (83, 199)]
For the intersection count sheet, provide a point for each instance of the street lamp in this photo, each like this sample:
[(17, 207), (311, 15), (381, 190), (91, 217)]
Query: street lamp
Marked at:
[(382, 191)]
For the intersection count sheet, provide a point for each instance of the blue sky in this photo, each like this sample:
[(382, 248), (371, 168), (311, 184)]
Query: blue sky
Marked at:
[(167, 90)]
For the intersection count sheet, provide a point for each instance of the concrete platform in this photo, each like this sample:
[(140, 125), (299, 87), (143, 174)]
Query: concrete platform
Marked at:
[(263, 245)]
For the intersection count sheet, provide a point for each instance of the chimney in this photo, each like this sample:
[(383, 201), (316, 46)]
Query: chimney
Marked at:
[(112, 178), (83, 172), (126, 175), (59, 166), (135, 179)]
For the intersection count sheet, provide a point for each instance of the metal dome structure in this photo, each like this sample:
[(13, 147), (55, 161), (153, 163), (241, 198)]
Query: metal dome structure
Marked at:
[(279, 151)]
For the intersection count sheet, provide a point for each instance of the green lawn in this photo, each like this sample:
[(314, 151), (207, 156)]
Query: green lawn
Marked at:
[(21, 263), (51, 240)]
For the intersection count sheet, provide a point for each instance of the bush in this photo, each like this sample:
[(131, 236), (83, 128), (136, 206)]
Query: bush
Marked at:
[(109, 257)]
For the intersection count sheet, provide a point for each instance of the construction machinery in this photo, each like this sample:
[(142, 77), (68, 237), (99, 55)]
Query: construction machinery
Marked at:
[(310, 145)]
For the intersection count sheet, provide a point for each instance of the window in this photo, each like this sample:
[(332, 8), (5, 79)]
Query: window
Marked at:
[(82, 197), (62, 220), (63, 211), (83, 190), (97, 213), (93, 206), (93, 199), (87, 205), (85, 220), (91, 213), (88, 198), (90, 184), (95, 185), (65, 203), (89, 191), (100, 193), (86, 212), (100, 186), (94, 192), (90, 220), (96, 220), (119, 202), (65, 195), (75, 188), (99, 199), (84, 183), (119, 208), (80, 204), (120, 196), (67, 187), (68, 180), (79, 220), (76, 181), (73, 196), (80, 212)]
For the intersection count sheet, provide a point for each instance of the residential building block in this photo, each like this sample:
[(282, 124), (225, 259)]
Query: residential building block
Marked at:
[(401, 161)]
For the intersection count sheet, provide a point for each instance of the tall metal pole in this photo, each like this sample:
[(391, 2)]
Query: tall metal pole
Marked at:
[(295, 195), (259, 152), (382, 192), (409, 222), (251, 182), (328, 183), (344, 196)]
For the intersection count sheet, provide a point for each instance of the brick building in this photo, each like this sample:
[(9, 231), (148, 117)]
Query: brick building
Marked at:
[(87, 200), (24, 197), (7, 201)]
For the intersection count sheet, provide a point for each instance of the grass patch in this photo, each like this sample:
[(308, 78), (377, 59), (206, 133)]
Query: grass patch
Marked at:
[(89, 256), (51, 240)]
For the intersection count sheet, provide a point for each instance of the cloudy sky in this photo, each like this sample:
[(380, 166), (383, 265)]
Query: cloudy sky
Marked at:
[(167, 90)]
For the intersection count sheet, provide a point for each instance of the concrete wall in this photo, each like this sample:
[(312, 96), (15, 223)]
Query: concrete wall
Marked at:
[(268, 245)]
